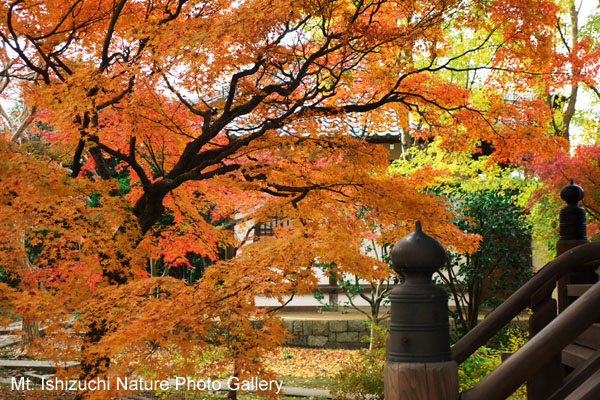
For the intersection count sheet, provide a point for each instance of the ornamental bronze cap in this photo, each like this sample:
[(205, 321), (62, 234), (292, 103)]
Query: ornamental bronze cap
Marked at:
[(572, 225), (571, 193), (418, 252)]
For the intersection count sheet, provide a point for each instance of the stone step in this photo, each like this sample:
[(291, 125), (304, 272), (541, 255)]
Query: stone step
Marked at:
[(9, 340), (37, 378), (10, 328), (18, 325), (45, 366)]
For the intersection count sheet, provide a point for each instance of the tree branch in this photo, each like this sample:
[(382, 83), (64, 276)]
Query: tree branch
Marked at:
[(105, 60)]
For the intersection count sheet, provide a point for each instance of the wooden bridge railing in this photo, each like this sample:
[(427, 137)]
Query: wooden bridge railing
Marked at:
[(575, 263), (543, 347), (544, 281), (530, 359)]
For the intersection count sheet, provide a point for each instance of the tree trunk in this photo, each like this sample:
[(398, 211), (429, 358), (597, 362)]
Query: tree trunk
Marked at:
[(375, 339), (372, 339), (153, 267), (232, 394), (92, 364), (30, 331), (30, 328), (333, 294)]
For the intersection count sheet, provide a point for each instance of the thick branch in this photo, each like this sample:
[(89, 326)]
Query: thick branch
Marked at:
[(129, 159), (109, 33), (76, 167)]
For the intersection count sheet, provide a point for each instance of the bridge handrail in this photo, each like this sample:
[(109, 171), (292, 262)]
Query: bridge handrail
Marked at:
[(543, 347), (542, 282)]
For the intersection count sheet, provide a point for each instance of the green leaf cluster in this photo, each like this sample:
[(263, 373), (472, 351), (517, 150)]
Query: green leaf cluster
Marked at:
[(459, 171)]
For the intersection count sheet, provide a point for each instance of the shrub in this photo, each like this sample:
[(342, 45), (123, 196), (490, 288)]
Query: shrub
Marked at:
[(485, 359), (500, 265), (362, 378), (478, 365)]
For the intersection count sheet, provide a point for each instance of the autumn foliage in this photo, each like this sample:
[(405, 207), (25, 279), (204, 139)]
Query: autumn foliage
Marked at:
[(234, 111)]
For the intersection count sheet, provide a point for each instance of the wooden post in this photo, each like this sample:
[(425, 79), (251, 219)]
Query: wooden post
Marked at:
[(419, 364), (421, 381), (573, 232), (549, 378)]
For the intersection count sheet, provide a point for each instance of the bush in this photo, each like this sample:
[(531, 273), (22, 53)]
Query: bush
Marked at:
[(478, 365), (485, 359), (362, 378)]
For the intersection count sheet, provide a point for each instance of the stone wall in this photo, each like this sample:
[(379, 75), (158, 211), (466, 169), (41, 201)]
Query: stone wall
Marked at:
[(345, 334), (334, 334)]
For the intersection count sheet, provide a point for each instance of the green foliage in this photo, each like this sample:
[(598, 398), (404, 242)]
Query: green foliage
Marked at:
[(543, 220), (485, 359), (462, 172), (478, 365), (505, 237), (456, 172), (378, 336), (10, 280), (514, 339), (509, 338), (498, 267)]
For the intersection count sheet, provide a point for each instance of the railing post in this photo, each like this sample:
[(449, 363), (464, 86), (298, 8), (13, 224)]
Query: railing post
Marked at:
[(419, 364), (549, 378), (572, 231)]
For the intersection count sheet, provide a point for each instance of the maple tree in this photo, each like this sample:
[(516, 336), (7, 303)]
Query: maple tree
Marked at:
[(568, 87), (573, 99), (240, 110), (576, 58)]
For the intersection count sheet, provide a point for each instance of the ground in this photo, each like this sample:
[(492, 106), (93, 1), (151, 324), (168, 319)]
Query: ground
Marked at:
[(298, 367)]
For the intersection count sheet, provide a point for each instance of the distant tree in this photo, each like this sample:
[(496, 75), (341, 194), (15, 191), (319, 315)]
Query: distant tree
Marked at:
[(375, 293), (501, 264)]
